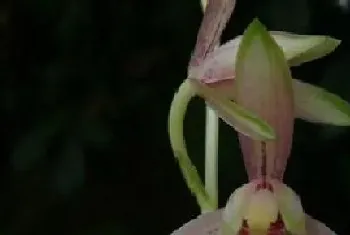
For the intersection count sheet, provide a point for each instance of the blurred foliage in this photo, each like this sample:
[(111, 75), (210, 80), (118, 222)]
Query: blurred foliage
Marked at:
[(85, 91)]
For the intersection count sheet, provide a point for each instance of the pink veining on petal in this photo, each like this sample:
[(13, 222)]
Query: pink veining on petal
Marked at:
[(216, 73), (277, 151), (265, 89), (216, 15), (218, 65)]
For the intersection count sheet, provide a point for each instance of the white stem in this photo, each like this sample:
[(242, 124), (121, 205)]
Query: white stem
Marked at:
[(211, 154), (211, 148)]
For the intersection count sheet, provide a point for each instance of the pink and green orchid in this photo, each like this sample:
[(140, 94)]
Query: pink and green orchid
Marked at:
[(261, 104), (211, 76), (265, 205)]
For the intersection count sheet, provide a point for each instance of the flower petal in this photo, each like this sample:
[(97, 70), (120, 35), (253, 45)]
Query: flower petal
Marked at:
[(236, 208), (315, 227), (175, 128), (290, 208), (261, 211), (315, 104), (297, 49), (263, 85), (240, 119), (205, 224), (311, 103), (216, 15)]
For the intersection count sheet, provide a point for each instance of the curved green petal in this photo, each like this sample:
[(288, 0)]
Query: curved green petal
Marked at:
[(242, 120), (175, 128), (315, 104)]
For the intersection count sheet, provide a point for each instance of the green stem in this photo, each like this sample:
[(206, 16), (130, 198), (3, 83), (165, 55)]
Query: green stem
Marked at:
[(175, 127), (211, 154)]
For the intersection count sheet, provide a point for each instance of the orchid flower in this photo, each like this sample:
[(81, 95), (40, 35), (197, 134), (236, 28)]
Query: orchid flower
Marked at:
[(211, 75), (265, 205)]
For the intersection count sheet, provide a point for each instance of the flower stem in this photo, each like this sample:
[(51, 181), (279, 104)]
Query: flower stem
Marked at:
[(211, 154)]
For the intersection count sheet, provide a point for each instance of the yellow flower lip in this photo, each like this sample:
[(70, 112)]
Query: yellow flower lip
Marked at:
[(262, 210), (265, 207)]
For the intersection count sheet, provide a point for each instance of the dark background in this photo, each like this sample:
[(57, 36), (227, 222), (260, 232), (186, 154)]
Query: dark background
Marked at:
[(85, 92)]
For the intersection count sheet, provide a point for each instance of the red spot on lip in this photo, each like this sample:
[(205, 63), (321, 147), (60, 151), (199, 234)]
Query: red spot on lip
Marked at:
[(276, 228), (264, 185)]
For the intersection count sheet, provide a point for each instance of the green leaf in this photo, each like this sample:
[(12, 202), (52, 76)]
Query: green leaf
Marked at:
[(315, 104)]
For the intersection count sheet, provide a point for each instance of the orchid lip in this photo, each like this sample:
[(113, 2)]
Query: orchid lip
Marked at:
[(265, 206), (276, 228)]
